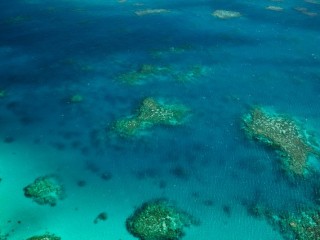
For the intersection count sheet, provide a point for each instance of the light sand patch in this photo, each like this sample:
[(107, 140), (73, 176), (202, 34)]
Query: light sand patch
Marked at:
[(151, 11), (274, 8), (224, 14)]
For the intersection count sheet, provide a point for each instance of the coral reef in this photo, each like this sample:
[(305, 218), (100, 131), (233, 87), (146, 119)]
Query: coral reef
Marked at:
[(158, 220), (151, 113), (305, 11), (127, 127), (46, 236), (148, 72), (3, 236), (285, 135), (316, 193), (312, 1), (151, 11), (190, 75), (224, 14), (45, 190), (103, 216), (303, 225), (16, 20), (2, 93), (274, 8), (143, 73), (77, 98)]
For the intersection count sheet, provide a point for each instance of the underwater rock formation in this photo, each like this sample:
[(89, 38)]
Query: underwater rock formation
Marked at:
[(158, 220), (46, 236), (285, 135), (151, 113), (45, 190)]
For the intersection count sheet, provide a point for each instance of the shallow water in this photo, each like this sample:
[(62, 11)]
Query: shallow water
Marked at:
[(70, 69)]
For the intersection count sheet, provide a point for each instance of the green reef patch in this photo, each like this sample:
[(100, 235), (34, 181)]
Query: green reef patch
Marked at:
[(45, 190), (148, 72), (302, 225), (143, 73), (77, 98), (151, 113), (158, 220), (46, 236), (305, 225), (3, 236), (284, 134), (2, 93)]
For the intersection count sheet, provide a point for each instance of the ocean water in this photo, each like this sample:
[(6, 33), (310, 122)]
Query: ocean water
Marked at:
[(70, 69)]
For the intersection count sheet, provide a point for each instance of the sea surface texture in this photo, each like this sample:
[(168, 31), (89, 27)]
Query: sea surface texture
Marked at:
[(160, 120)]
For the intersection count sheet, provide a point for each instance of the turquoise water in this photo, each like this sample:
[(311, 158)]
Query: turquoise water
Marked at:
[(71, 69)]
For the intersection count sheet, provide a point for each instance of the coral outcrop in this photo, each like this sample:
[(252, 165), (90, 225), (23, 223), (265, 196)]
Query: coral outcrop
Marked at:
[(149, 114), (45, 190), (46, 236), (285, 135), (158, 220)]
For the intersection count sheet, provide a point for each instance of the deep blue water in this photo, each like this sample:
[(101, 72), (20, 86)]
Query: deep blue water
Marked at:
[(51, 51)]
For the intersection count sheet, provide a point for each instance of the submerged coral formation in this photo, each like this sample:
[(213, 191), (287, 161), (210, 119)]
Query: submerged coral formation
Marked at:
[(305, 11), (300, 224), (46, 236), (151, 113), (190, 75), (285, 135), (2, 93), (316, 193), (103, 216), (77, 98), (158, 220), (224, 14), (274, 8), (45, 190), (151, 11), (3, 236), (148, 72), (16, 20), (142, 73), (303, 225)]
